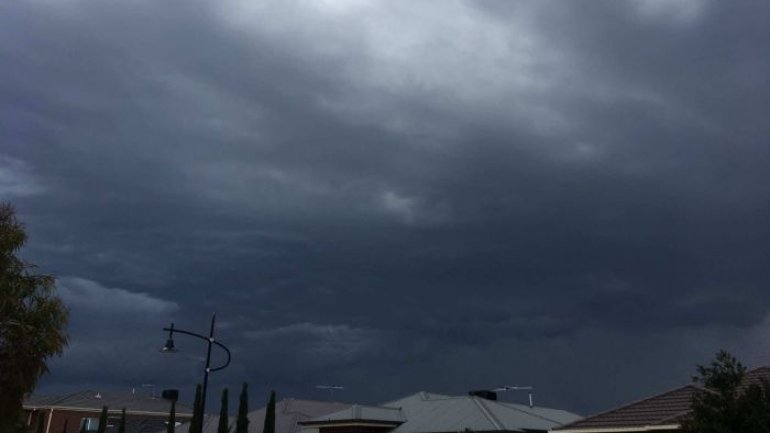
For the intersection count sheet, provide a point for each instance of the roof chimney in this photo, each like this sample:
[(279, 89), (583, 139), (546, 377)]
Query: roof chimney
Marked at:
[(484, 393), (170, 394)]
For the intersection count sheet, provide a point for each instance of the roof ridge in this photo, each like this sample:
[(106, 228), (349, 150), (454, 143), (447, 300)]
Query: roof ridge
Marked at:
[(761, 367), (487, 413), (617, 408), (523, 409)]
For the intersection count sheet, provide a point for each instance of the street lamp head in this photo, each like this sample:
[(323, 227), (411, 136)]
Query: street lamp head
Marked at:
[(169, 347)]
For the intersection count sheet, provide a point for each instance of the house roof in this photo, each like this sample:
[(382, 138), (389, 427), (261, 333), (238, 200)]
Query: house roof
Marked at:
[(359, 413), (755, 377), (115, 401), (668, 408), (288, 413), (427, 412)]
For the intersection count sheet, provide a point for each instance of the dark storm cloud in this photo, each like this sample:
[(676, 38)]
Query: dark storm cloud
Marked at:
[(395, 196)]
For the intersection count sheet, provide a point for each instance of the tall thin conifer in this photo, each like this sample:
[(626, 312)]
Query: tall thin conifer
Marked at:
[(242, 423), (196, 423), (223, 414), (122, 425), (102, 421), (270, 414)]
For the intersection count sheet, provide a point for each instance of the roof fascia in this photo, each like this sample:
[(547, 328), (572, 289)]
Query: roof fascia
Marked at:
[(350, 423), (621, 429), (112, 411)]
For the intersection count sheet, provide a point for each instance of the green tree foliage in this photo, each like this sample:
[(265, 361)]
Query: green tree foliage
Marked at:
[(223, 414), (270, 414), (102, 421), (122, 425), (196, 423), (171, 426), (242, 422), (726, 404), (32, 322)]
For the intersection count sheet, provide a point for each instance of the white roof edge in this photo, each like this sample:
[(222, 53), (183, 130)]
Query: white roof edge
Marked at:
[(619, 429)]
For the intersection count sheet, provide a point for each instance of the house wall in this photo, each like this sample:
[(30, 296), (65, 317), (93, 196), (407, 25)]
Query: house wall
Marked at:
[(134, 423)]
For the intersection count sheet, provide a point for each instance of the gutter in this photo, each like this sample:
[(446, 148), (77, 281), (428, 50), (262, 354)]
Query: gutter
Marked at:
[(112, 411), (642, 428)]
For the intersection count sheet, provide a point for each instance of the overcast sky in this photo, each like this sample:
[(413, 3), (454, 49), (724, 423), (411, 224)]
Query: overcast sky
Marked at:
[(395, 196)]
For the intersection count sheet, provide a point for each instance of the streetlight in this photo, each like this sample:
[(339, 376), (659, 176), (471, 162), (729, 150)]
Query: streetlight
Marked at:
[(169, 348)]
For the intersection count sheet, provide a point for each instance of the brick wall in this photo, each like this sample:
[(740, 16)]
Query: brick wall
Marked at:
[(142, 423)]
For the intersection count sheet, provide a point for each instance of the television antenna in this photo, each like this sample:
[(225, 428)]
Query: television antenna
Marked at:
[(146, 388), (331, 389), (518, 388)]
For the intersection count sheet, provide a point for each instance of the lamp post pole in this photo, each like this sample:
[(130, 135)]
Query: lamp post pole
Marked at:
[(169, 348)]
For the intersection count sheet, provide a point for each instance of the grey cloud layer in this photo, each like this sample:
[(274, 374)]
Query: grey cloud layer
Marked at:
[(415, 187)]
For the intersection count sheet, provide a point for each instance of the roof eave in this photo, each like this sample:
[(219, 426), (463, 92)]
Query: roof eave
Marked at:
[(641, 428)]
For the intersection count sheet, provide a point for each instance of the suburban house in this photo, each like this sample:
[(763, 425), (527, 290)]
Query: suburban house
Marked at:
[(660, 413), (69, 413), (289, 413), (435, 413)]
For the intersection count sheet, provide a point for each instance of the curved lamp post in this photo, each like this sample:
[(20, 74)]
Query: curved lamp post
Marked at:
[(169, 348)]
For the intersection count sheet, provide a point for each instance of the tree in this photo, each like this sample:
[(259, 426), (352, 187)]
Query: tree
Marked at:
[(270, 414), (727, 405), (223, 414), (171, 426), (32, 321), (242, 422), (102, 421), (122, 425), (196, 423)]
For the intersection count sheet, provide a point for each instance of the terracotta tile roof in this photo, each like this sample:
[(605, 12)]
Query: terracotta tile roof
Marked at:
[(755, 377), (668, 408), (661, 409)]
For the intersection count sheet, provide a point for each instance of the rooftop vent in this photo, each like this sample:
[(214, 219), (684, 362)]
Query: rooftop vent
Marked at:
[(170, 394), (484, 393)]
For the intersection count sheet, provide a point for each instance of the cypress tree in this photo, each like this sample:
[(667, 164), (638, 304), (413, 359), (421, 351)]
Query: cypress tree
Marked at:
[(122, 425), (242, 423), (41, 422), (102, 421), (270, 414), (171, 427), (197, 418), (223, 414)]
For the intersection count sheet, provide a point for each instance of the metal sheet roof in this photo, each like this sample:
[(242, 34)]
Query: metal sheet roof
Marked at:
[(426, 413), (115, 401), (288, 412)]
